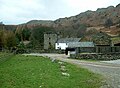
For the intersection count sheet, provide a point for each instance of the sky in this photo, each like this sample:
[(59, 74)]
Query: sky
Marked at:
[(21, 11)]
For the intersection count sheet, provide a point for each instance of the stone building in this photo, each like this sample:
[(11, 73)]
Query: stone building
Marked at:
[(50, 40), (115, 44), (63, 43), (82, 47), (102, 43)]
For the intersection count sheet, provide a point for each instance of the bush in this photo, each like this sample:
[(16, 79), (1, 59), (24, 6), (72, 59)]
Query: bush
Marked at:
[(108, 23), (20, 51)]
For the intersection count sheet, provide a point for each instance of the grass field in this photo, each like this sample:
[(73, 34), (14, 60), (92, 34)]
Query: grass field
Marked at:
[(5, 56), (38, 72)]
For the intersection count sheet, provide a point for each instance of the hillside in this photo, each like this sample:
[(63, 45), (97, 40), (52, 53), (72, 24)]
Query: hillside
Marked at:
[(93, 18), (89, 18), (79, 25), (8, 27)]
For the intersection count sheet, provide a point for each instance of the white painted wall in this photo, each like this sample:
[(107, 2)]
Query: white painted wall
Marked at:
[(61, 46)]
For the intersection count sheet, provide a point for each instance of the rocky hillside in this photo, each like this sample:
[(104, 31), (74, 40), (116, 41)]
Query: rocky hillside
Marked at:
[(89, 18)]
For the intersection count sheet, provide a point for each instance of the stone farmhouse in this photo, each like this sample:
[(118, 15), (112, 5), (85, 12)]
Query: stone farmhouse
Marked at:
[(63, 43)]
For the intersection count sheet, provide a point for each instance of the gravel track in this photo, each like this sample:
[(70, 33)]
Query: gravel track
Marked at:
[(109, 69)]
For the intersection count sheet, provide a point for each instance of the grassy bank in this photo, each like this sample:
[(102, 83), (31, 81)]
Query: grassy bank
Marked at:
[(5, 56), (38, 72)]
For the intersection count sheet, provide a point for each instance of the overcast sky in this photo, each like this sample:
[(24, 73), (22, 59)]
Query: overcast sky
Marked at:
[(21, 11)]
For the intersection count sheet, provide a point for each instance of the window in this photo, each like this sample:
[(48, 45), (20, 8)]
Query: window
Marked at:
[(49, 43), (59, 48)]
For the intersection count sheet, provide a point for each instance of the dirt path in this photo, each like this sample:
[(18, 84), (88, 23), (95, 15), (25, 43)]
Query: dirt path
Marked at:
[(111, 71)]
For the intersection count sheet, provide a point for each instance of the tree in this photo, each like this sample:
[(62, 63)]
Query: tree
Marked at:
[(81, 30), (22, 33), (108, 23), (26, 34), (91, 32), (18, 34), (9, 39), (37, 36)]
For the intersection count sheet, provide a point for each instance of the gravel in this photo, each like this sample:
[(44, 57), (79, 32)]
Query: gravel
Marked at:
[(112, 61), (109, 69)]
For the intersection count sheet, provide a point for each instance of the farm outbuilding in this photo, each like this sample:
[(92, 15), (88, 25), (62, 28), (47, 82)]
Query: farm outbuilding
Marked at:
[(82, 47), (115, 44), (102, 43)]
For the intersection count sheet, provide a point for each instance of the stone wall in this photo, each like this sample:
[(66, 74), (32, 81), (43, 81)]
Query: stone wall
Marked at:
[(110, 56), (115, 49), (86, 49), (103, 49), (99, 49)]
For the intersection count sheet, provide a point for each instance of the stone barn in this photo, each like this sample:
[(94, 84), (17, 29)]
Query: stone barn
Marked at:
[(102, 43), (116, 45), (82, 47)]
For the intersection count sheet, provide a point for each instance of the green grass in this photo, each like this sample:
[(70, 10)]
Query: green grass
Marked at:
[(5, 56), (38, 72), (115, 39)]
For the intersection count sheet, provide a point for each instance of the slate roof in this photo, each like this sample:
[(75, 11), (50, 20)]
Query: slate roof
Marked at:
[(67, 40), (80, 44)]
